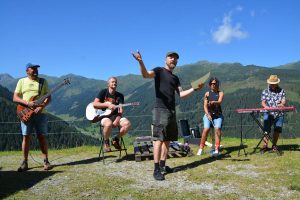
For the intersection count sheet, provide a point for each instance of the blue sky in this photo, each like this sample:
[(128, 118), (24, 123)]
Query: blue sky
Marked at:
[(95, 38)]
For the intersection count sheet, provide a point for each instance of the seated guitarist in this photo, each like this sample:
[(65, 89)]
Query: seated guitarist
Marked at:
[(25, 94), (107, 99), (273, 97)]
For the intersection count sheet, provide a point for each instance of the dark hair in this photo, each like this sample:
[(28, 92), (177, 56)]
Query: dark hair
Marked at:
[(214, 79)]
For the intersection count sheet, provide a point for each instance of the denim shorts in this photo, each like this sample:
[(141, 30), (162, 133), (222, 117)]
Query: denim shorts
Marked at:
[(208, 124), (269, 120), (164, 125), (39, 122)]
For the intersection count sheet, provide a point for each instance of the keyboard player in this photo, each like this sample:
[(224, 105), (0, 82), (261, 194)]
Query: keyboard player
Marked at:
[(273, 97)]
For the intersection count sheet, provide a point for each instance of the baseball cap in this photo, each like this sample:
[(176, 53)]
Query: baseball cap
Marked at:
[(29, 65), (172, 53)]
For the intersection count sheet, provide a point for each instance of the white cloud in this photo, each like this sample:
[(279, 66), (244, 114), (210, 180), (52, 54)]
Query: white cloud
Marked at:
[(227, 32), (239, 8)]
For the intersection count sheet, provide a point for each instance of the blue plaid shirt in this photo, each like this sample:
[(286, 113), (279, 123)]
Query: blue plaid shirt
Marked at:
[(273, 98)]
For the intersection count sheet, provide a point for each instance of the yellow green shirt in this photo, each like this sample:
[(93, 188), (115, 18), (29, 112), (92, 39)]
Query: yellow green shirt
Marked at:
[(28, 88)]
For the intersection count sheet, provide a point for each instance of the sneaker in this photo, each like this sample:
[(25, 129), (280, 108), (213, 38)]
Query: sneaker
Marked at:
[(166, 170), (116, 143), (158, 175), (23, 167), (199, 152), (215, 153), (47, 165)]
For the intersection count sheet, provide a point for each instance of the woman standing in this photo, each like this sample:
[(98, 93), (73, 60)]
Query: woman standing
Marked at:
[(213, 117)]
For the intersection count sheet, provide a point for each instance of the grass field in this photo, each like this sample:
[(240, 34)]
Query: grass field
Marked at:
[(79, 174)]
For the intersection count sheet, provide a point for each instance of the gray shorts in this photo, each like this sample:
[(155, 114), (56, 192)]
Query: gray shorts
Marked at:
[(164, 125), (39, 122)]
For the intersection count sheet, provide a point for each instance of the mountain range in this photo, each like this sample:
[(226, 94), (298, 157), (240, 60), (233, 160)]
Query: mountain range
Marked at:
[(242, 86)]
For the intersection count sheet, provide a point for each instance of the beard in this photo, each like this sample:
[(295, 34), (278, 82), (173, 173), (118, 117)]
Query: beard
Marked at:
[(172, 65), (33, 74)]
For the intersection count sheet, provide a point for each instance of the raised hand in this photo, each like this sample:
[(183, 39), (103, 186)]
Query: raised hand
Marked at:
[(197, 86), (137, 56)]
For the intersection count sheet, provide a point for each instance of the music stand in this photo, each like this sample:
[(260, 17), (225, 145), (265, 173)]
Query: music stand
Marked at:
[(242, 146)]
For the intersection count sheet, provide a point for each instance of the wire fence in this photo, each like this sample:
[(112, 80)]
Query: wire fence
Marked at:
[(229, 124)]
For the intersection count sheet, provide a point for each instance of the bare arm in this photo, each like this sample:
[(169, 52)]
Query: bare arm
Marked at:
[(46, 102), (220, 99), (144, 72), (98, 104), (281, 103), (264, 104), (17, 99), (185, 93)]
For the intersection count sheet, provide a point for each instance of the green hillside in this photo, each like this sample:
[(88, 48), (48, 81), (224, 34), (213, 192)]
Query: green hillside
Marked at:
[(295, 65), (242, 86), (61, 134)]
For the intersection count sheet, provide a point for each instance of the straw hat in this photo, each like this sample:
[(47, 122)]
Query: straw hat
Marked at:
[(273, 79)]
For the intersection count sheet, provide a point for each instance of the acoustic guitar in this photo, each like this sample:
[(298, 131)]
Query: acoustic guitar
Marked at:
[(25, 113), (95, 115)]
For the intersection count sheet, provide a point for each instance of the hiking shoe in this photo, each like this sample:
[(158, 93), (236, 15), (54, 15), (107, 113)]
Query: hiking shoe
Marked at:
[(47, 165), (166, 170), (116, 143), (158, 175), (23, 167), (199, 152)]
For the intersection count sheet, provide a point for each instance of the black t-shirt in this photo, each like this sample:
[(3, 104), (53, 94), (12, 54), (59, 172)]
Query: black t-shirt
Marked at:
[(116, 99), (166, 84)]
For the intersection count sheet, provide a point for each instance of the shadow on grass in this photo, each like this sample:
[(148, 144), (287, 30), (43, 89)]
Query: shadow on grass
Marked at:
[(289, 147), (282, 148), (224, 155), (97, 159), (85, 161), (13, 181)]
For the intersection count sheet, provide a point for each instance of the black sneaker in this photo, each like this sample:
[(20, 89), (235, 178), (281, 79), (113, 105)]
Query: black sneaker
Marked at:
[(166, 170), (158, 175), (23, 167)]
